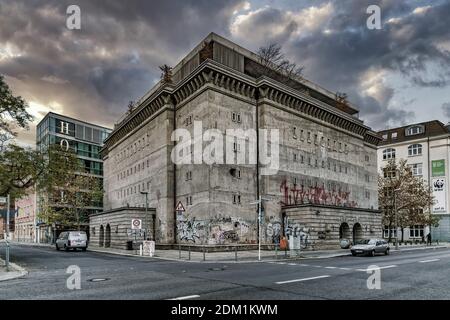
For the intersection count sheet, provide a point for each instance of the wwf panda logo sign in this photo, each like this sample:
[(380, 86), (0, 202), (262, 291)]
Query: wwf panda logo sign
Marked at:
[(439, 184)]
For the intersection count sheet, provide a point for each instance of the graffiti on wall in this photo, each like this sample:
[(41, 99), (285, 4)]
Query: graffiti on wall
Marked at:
[(299, 194), (299, 236), (189, 230), (273, 231), (217, 230)]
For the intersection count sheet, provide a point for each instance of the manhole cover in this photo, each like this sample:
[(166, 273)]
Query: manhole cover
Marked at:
[(216, 269), (98, 279)]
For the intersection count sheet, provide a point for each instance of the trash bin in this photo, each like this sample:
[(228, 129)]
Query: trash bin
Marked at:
[(129, 245)]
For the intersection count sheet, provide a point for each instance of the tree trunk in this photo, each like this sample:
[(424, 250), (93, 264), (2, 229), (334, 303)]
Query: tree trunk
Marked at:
[(403, 233)]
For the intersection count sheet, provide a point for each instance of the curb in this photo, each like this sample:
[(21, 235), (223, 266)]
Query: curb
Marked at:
[(343, 254), (18, 273)]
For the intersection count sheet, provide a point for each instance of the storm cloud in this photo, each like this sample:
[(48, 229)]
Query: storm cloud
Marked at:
[(94, 72)]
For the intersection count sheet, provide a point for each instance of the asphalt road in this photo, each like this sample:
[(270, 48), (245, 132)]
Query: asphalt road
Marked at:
[(419, 274)]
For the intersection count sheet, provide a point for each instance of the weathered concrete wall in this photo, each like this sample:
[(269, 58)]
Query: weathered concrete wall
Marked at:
[(213, 218), (319, 226), (141, 162), (119, 222)]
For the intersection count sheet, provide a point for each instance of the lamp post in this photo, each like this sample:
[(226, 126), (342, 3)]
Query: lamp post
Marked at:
[(259, 203), (146, 209), (396, 218)]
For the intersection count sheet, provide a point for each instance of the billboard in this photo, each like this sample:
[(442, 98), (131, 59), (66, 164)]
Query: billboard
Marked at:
[(438, 168), (439, 191)]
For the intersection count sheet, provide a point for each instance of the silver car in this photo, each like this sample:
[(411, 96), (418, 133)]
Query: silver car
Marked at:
[(72, 240), (370, 247)]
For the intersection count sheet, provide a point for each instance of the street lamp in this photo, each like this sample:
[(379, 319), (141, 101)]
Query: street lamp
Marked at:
[(259, 203), (396, 218)]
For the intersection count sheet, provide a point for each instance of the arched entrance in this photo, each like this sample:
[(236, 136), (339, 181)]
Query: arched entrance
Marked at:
[(108, 236), (101, 236), (344, 231), (357, 232)]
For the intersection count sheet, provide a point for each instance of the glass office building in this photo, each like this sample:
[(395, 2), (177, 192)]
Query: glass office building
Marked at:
[(85, 139)]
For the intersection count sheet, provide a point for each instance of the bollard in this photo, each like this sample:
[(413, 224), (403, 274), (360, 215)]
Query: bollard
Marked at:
[(276, 252), (204, 257), (235, 253), (140, 249), (179, 251), (189, 248)]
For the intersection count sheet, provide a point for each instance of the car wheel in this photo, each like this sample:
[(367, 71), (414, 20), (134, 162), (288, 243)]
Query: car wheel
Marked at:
[(387, 252), (65, 248), (84, 249), (372, 253), (354, 254), (57, 248)]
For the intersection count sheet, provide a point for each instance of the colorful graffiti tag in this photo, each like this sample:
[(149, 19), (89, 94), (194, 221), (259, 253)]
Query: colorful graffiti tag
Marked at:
[(295, 194)]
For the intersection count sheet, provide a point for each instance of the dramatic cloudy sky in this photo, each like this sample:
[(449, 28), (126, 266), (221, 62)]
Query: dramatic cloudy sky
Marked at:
[(395, 75)]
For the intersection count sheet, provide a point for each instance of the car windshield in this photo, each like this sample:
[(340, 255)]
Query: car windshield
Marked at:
[(367, 241)]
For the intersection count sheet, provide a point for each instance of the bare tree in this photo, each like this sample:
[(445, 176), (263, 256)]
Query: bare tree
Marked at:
[(404, 198), (271, 57)]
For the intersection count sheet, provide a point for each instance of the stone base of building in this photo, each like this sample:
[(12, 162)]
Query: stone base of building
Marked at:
[(113, 228), (322, 227)]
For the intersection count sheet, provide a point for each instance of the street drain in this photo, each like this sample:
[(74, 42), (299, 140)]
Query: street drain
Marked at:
[(98, 279)]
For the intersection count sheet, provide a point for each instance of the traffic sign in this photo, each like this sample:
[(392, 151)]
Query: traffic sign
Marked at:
[(136, 224), (3, 200), (180, 207)]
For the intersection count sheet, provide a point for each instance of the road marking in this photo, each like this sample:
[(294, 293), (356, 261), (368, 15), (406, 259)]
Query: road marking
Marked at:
[(300, 280), (186, 297), (292, 264), (304, 265), (347, 269), (426, 261), (330, 267), (379, 268)]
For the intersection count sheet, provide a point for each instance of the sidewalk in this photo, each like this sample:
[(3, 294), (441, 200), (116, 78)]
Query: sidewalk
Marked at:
[(239, 256), (15, 271)]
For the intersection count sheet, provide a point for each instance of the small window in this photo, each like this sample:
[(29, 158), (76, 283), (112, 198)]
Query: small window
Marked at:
[(394, 135), (416, 169), (415, 150), (294, 132), (411, 131), (309, 136), (295, 157), (385, 136), (388, 154)]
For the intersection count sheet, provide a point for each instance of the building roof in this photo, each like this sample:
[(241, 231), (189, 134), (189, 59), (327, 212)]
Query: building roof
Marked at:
[(57, 115), (432, 129)]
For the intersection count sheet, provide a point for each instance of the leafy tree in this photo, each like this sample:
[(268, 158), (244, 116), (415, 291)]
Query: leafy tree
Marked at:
[(12, 111), (20, 168), (69, 190), (404, 198)]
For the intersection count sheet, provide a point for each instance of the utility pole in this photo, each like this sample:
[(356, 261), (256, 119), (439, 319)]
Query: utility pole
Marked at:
[(396, 218), (146, 217), (259, 203)]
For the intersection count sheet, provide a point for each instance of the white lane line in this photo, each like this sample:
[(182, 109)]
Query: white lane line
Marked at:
[(304, 265), (300, 280), (186, 297), (426, 261), (330, 267), (379, 268), (292, 264), (347, 269)]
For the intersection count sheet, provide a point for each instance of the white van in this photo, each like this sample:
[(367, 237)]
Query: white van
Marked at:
[(72, 240)]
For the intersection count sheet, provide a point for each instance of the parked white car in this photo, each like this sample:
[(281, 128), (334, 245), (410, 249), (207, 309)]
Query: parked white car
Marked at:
[(370, 247), (72, 240)]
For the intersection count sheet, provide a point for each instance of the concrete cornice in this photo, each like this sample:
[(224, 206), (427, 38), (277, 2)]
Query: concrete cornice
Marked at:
[(213, 73)]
